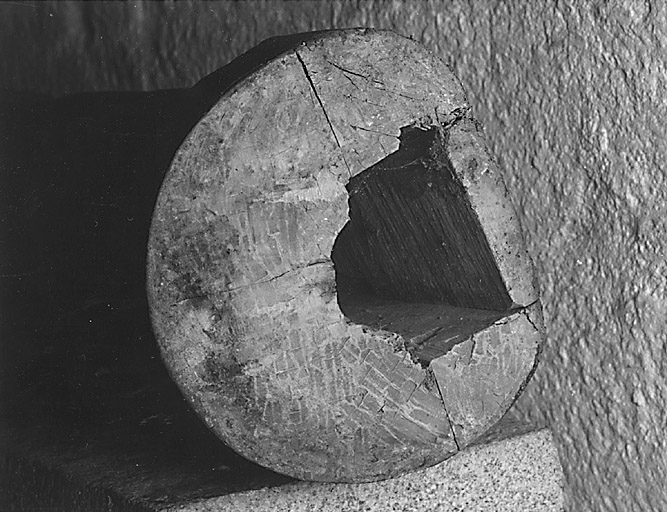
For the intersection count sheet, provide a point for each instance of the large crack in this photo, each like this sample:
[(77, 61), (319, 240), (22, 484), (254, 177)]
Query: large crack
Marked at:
[(444, 406), (524, 312), (317, 96), (324, 110)]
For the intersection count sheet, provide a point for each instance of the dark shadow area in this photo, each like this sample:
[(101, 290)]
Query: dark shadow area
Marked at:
[(82, 388), (413, 258), (81, 380)]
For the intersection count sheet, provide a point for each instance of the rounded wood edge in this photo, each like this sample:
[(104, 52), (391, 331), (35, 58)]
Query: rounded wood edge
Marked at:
[(220, 380)]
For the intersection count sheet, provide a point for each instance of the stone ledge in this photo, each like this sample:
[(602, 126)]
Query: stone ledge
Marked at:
[(512, 468), (520, 473)]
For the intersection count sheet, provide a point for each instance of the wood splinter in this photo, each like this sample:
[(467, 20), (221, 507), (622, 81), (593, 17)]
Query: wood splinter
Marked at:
[(337, 279)]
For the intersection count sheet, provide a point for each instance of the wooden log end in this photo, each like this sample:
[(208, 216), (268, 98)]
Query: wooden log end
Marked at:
[(337, 279)]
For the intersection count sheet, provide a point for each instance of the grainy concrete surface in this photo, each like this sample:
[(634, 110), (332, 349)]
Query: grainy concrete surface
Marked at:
[(514, 468), (572, 98), (521, 474)]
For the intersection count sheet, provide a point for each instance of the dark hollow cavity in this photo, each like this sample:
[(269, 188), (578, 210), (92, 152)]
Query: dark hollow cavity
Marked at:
[(413, 258)]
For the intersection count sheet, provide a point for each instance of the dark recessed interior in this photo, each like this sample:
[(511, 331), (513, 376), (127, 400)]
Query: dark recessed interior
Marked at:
[(413, 258)]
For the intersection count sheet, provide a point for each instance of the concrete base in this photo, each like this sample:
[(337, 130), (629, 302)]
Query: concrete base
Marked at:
[(515, 474), (512, 469)]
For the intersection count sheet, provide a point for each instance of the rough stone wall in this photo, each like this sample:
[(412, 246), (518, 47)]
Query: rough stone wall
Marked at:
[(573, 97)]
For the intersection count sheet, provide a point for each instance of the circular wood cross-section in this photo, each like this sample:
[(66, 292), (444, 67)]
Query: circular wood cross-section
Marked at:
[(337, 279)]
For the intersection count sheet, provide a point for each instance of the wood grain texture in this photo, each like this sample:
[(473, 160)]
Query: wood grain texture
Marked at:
[(265, 325)]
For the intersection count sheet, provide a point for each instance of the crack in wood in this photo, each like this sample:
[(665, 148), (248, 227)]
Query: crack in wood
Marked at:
[(442, 399), (317, 96), (369, 79), (324, 111), (451, 427), (345, 70), (374, 131), (413, 391), (524, 311), (282, 274)]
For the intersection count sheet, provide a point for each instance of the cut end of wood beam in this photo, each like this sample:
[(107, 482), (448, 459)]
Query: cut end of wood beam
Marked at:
[(337, 279)]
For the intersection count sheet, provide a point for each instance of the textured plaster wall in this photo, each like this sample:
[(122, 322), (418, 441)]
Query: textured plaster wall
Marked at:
[(573, 97)]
